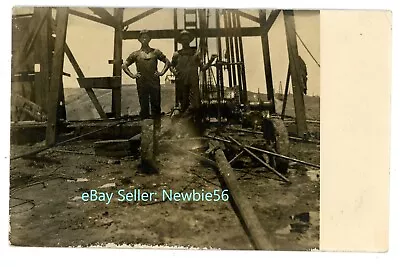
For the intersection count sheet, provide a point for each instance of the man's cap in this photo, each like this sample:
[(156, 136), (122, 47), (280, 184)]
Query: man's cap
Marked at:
[(185, 33), (144, 32)]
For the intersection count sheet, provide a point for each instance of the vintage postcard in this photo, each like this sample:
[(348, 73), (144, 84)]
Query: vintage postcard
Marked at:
[(190, 128)]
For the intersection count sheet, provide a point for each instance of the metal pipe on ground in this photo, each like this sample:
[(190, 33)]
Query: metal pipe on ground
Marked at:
[(66, 141), (267, 152), (260, 160)]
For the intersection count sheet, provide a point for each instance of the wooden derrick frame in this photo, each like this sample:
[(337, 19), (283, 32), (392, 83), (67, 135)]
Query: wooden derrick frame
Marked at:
[(46, 97)]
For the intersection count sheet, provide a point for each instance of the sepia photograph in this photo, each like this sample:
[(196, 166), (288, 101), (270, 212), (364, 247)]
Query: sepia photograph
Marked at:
[(165, 127)]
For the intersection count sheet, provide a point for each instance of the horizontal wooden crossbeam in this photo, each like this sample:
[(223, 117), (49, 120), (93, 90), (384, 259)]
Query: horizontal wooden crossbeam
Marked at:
[(170, 34), (100, 82)]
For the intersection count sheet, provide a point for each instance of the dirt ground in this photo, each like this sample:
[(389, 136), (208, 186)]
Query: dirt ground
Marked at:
[(52, 213), (46, 208)]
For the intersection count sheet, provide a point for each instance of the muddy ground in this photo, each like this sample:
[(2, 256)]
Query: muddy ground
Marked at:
[(46, 208)]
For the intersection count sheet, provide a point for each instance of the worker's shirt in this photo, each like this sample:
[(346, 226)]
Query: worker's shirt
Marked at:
[(187, 63), (146, 65)]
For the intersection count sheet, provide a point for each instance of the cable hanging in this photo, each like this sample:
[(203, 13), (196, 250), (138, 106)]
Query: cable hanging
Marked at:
[(309, 52)]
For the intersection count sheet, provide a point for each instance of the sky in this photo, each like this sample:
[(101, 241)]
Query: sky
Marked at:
[(92, 46)]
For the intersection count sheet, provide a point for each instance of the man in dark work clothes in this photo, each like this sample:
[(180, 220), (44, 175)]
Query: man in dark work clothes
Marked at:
[(185, 64), (147, 77)]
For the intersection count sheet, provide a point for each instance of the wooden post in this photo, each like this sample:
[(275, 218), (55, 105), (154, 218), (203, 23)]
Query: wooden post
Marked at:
[(241, 53), (237, 53), (43, 55), (286, 93), (231, 44), (117, 67), (295, 73), (56, 76), (267, 58), (220, 78), (176, 29), (228, 48), (246, 212)]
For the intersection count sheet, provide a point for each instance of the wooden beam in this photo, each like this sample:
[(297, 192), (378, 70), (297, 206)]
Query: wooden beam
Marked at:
[(271, 19), (28, 42), (89, 90), (43, 53), (176, 32), (295, 73), (267, 58), (286, 93), (117, 67), (104, 14), (210, 32), (56, 76), (90, 17), (140, 16), (245, 210), (100, 82), (247, 16)]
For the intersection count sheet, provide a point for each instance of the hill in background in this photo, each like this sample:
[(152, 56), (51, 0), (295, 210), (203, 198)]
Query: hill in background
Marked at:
[(80, 107)]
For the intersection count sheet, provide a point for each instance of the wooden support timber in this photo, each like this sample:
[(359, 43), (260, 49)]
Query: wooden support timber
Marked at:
[(246, 212), (90, 17), (210, 33), (43, 48), (88, 89), (56, 76), (103, 13), (267, 59), (140, 16), (295, 73), (100, 82), (117, 66), (247, 16)]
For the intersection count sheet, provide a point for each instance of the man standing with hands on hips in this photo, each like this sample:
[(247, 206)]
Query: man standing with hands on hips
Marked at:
[(147, 77)]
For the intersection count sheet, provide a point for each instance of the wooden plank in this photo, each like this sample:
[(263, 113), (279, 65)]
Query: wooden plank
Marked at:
[(244, 209), (56, 77), (90, 17), (247, 16), (140, 16), (100, 82), (210, 32), (267, 58), (43, 58), (295, 73), (117, 67), (89, 90)]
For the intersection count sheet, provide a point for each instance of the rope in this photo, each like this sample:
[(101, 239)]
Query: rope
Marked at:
[(309, 52)]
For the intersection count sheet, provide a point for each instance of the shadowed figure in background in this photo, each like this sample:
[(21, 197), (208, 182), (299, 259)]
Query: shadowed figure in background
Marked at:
[(303, 75), (185, 66), (147, 77)]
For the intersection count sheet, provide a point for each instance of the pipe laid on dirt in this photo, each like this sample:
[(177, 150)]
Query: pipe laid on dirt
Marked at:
[(244, 209), (260, 160), (66, 141), (267, 152)]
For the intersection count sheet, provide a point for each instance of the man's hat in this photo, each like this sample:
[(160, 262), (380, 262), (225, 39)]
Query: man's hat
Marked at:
[(183, 33), (144, 32)]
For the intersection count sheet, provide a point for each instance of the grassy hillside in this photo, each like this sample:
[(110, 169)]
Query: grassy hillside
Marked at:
[(79, 106)]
